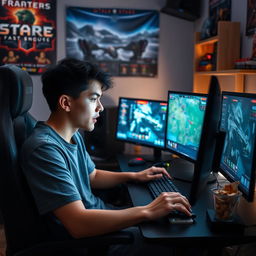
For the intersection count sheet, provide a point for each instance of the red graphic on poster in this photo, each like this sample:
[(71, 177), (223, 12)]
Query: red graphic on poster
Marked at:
[(28, 34)]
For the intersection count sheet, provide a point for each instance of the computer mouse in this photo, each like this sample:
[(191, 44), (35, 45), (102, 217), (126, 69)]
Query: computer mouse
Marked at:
[(136, 161)]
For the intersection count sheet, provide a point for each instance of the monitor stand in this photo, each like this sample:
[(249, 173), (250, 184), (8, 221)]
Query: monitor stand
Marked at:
[(157, 157), (183, 170)]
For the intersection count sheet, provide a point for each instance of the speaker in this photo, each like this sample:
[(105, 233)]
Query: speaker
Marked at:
[(185, 9), (101, 142)]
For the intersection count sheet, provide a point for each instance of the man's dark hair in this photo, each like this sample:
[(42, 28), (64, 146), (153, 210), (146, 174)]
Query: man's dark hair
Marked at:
[(71, 77)]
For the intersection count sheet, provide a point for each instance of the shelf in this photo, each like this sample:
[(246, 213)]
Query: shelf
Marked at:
[(225, 47), (208, 41), (227, 72), (202, 79)]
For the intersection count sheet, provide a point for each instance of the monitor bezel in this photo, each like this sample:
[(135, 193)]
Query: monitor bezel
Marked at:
[(207, 147), (167, 114), (141, 142), (250, 195)]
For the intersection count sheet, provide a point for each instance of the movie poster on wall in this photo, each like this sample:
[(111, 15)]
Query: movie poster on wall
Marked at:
[(28, 34), (123, 42)]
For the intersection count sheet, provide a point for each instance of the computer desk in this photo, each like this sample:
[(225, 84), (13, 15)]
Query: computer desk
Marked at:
[(199, 234)]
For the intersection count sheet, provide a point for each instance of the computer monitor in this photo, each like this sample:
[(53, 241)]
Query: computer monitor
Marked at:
[(142, 122), (184, 123), (192, 127), (238, 157), (207, 147), (185, 117)]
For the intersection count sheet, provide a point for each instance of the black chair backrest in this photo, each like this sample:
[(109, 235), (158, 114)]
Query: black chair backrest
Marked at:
[(23, 225)]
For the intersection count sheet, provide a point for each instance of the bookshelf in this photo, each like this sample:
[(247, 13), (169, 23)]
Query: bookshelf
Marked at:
[(226, 48)]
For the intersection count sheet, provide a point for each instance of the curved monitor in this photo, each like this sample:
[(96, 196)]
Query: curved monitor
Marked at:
[(185, 118), (238, 158), (142, 121)]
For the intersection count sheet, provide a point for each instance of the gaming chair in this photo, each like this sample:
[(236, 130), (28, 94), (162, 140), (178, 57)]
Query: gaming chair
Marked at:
[(26, 232)]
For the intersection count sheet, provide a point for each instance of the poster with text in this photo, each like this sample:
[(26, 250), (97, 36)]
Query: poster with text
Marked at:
[(28, 34), (123, 42)]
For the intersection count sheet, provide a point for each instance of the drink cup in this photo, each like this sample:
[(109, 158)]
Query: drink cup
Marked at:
[(225, 204)]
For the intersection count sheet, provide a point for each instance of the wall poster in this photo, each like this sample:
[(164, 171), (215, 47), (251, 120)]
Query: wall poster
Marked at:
[(28, 34), (251, 17), (219, 10), (123, 42)]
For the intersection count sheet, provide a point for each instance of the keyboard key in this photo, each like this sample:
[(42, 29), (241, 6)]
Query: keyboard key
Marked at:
[(181, 215), (176, 220), (163, 184)]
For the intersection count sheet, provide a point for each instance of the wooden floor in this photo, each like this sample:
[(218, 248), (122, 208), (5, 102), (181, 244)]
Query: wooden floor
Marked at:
[(2, 241)]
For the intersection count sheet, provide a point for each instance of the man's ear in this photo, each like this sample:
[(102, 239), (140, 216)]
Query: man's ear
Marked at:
[(65, 102)]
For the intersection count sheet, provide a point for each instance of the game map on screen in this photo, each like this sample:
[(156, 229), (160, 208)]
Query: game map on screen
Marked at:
[(185, 120)]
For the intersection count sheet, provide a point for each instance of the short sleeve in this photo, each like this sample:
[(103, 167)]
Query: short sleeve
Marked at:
[(49, 178), (90, 163), (84, 154)]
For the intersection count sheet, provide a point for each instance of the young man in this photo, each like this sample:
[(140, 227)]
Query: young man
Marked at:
[(59, 170)]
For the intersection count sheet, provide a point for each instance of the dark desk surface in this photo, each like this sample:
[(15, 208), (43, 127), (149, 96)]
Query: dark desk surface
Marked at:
[(198, 233)]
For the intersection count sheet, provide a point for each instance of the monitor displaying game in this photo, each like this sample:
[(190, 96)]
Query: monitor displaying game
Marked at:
[(142, 122), (238, 120), (184, 123), (192, 129)]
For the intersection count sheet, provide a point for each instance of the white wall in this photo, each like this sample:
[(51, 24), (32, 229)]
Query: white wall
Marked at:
[(175, 61), (239, 14)]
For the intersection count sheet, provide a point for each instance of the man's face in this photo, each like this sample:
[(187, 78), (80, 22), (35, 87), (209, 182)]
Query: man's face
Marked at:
[(85, 109)]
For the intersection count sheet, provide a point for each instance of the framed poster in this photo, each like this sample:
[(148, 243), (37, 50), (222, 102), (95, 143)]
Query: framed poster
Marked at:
[(28, 34), (123, 42), (251, 17)]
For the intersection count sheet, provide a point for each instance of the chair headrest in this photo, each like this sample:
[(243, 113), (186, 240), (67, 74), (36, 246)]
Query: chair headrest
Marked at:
[(19, 87)]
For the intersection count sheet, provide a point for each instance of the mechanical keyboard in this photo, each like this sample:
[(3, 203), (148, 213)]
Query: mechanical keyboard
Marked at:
[(164, 184)]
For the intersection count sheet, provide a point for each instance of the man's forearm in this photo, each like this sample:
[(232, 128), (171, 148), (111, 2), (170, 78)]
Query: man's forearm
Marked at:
[(81, 222), (98, 222), (107, 179)]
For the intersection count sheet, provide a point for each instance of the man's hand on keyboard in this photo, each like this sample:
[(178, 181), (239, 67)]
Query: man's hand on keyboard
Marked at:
[(151, 173), (166, 203)]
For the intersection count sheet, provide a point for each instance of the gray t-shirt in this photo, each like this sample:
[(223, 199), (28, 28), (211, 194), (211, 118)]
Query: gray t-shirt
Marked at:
[(57, 171)]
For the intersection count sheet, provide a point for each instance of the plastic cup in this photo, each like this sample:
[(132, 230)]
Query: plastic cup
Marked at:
[(225, 204)]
